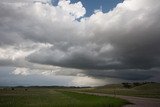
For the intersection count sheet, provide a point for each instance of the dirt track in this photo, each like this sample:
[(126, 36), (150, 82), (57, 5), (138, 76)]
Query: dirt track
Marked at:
[(141, 102), (137, 101)]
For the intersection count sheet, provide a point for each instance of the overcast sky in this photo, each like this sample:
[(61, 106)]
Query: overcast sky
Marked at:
[(79, 42)]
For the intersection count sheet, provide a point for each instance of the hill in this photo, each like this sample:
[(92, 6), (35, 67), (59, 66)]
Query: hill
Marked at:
[(150, 86)]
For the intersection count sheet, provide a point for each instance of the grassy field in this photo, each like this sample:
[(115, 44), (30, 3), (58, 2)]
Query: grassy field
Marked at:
[(43, 97), (147, 90)]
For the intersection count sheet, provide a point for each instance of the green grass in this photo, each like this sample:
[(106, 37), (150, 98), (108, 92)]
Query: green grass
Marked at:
[(52, 98), (96, 101), (146, 90)]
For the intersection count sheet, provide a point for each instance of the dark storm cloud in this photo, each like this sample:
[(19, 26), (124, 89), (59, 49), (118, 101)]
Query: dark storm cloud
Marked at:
[(79, 57), (126, 74), (139, 50)]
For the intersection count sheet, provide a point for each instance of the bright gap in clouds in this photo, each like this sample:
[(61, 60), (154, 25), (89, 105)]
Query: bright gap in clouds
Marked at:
[(59, 45), (103, 5)]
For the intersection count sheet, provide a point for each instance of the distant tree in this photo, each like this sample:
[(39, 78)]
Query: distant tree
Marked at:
[(152, 82), (126, 85), (137, 84)]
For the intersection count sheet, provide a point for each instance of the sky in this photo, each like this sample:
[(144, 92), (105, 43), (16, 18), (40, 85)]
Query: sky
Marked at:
[(91, 6), (79, 42)]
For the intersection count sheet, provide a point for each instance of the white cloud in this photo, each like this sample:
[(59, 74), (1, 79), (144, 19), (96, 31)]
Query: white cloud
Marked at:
[(76, 9), (21, 51), (20, 71)]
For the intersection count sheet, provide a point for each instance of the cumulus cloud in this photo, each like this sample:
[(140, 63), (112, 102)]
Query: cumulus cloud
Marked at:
[(122, 43), (76, 9)]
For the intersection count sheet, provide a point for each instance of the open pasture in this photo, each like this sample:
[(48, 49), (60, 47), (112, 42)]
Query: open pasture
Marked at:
[(44, 97)]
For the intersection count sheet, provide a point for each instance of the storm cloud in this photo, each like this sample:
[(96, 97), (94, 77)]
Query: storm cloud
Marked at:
[(122, 43)]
